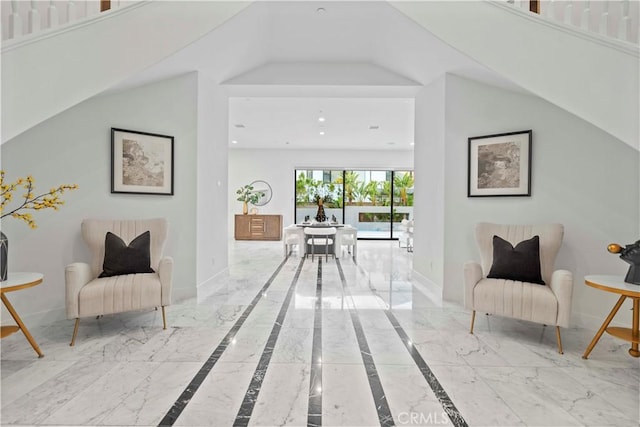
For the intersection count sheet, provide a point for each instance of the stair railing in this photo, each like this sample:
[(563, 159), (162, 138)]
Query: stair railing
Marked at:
[(26, 18), (617, 19)]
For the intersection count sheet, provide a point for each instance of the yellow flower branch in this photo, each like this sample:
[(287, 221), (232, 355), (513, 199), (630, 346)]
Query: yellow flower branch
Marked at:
[(50, 199)]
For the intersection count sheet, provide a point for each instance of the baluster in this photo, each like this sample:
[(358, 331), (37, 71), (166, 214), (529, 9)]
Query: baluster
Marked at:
[(623, 26), (71, 11), (551, 11), (604, 20), (568, 13), (52, 15), (544, 8), (586, 16), (15, 23), (34, 18), (93, 8)]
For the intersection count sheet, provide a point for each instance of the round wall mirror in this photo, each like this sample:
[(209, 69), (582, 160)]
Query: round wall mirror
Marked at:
[(263, 187)]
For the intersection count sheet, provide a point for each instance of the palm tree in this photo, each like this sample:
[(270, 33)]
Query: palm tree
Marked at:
[(371, 190), (360, 192), (350, 183), (402, 183)]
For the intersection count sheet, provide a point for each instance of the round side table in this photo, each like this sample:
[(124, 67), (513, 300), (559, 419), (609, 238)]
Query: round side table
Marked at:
[(617, 285), (16, 282)]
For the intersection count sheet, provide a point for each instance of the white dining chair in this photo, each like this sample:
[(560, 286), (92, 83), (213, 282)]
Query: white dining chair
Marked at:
[(348, 236), (320, 237), (292, 236)]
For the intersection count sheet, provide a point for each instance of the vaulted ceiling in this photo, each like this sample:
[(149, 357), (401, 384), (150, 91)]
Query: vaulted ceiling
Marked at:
[(286, 63)]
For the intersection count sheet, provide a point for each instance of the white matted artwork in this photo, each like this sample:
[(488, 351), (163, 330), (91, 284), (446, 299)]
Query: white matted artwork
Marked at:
[(141, 162), (500, 165)]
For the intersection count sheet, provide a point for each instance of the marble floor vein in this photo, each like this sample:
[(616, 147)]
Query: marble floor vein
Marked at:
[(126, 371)]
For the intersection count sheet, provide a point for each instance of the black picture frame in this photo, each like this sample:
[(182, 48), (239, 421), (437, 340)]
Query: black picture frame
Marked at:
[(141, 162), (499, 165)]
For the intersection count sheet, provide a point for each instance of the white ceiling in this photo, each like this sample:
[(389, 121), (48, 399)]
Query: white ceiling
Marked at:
[(283, 62), (295, 123)]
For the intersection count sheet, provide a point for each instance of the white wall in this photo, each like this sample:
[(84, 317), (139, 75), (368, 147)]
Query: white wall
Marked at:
[(582, 177), (212, 163), (75, 147), (277, 168), (428, 251)]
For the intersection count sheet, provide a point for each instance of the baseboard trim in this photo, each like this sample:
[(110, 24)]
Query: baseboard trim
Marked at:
[(431, 289), (210, 286)]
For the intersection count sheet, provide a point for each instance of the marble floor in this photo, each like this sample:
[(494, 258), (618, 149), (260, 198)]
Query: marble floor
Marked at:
[(336, 343)]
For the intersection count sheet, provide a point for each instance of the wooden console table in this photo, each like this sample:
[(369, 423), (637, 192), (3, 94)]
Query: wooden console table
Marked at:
[(258, 227), (16, 282), (617, 285)]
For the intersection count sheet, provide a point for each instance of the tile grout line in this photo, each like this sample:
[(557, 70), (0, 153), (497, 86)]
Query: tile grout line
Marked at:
[(377, 391), (447, 404), (251, 396), (314, 412), (176, 409)]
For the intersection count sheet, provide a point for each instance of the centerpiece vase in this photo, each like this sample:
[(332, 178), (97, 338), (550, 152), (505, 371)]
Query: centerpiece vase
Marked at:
[(4, 253), (245, 208), (320, 215)]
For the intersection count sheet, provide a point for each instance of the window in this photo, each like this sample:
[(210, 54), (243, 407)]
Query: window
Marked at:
[(374, 201)]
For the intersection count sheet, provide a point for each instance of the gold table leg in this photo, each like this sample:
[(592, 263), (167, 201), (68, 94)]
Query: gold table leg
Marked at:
[(635, 328), (596, 338), (21, 325)]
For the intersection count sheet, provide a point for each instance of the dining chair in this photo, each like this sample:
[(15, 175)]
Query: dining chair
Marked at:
[(292, 236), (320, 237), (348, 236)]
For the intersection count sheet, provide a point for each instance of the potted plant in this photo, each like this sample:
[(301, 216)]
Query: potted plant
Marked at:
[(246, 195)]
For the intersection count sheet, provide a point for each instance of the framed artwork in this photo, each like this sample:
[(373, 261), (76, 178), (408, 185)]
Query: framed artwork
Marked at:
[(500, 165), (141, 162)]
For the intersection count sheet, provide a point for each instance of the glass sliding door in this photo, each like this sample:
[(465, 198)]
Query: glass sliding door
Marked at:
[(315, 185), (402, 199), (368, 202), (373, 201)]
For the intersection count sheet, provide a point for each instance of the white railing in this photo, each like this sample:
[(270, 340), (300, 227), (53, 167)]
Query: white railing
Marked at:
[(22, 18), (611, 18)]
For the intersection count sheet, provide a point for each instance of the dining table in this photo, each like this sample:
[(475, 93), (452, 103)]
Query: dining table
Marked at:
[(341, 230)]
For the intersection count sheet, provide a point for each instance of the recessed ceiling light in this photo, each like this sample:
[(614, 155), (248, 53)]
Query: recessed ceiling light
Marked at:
[(321, 132), (239, 125), (321, 10), (321, 119), (374, 127), (391, 143), (234, 142), (412, 143)]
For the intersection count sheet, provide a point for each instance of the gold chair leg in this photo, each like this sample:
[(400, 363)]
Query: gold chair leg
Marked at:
[(473, 319), (559, 340), (164, 319), (75, 332)]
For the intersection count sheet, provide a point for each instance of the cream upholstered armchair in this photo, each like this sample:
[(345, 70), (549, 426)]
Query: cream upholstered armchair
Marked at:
[(545, 299), (118, 283)]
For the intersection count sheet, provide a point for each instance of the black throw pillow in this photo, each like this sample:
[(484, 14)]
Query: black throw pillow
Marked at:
[(521, 263), (122, 259)]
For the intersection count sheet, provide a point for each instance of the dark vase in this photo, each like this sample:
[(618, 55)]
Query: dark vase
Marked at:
[(320, 216), (4, 252)]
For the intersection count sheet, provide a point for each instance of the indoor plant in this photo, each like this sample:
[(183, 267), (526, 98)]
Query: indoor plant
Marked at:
[(246, 195)]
